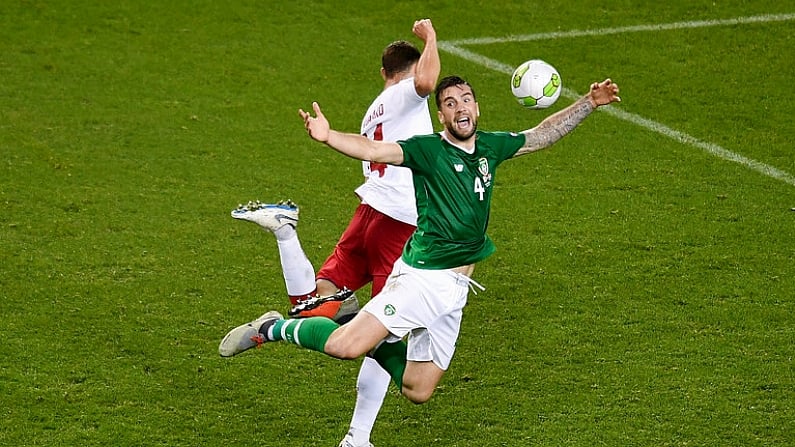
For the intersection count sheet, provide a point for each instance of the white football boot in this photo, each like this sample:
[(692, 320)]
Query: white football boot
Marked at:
[(347, 441), (270, 216), (247, 336)]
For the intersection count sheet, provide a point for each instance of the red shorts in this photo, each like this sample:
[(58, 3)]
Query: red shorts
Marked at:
[(366, 250)]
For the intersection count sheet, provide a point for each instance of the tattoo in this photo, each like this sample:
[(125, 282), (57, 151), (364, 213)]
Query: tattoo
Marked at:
[(556, 126)]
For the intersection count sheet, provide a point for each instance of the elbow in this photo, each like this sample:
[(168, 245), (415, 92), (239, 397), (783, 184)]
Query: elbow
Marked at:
[(383, 152)]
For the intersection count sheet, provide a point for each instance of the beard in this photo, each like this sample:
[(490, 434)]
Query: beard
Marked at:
[(462, 136)]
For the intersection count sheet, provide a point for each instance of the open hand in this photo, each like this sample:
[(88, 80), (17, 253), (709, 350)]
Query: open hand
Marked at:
[(603, 93), (318, 126)]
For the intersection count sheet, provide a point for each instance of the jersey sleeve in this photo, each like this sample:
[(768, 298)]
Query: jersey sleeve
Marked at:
[(508, 143), (410, 90), (419, 152), (403, 97)]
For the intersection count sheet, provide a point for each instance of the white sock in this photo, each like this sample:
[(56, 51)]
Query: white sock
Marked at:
[(285, 232), (371, 387), (299, 275)]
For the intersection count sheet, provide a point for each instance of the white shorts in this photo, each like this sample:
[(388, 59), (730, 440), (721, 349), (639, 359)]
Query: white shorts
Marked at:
[(426, 305)]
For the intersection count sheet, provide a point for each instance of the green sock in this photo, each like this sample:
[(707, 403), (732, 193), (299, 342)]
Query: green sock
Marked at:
[(392, 357), (311, 333)]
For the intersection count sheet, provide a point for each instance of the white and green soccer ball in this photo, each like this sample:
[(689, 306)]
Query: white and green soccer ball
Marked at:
[(536, 84)]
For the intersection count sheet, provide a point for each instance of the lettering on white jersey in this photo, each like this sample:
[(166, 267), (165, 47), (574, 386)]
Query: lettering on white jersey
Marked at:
[(398, 113), (378, 111)]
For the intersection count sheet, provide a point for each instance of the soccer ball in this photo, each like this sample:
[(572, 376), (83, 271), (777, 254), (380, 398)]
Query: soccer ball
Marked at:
[(536, 84)]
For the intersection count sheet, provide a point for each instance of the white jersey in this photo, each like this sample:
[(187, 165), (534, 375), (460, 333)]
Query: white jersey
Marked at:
[(396, 114)]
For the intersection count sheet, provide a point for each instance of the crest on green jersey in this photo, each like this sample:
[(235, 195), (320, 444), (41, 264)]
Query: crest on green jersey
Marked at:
[(483, 166), (483, 169)]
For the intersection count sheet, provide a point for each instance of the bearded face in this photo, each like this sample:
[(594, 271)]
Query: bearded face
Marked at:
[(459, 112)]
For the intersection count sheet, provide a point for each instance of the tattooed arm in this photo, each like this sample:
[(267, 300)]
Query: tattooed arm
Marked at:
[(556, 126)]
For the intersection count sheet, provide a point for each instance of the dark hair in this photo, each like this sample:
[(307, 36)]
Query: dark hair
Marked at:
[(399, 57), (450, 81)]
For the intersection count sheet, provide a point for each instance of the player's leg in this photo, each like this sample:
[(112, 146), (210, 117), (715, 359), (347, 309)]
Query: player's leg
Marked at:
[(416, 379), (346, 268), (420, 380), (325, 287), (281, 219), (427, 305), (384, 239), (430, 350), (372, 384), (321, 334), (297, 270), (356, 338)]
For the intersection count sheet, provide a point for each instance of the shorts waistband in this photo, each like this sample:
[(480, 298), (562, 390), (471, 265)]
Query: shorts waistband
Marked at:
[(464, 280)]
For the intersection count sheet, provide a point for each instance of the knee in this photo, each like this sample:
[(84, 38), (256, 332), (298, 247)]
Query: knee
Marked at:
[(420, 380), (339, 348), (417, 396)]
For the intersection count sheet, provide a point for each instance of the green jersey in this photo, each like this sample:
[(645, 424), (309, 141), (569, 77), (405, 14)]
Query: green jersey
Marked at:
[(453, 192)]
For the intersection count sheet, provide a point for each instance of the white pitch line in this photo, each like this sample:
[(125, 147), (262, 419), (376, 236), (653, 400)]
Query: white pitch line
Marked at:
[(711, 148), (454, 48), (625, 29)]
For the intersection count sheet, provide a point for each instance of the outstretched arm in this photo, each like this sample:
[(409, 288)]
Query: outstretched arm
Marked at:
[(350, 144), (429, 65), (556, 126)]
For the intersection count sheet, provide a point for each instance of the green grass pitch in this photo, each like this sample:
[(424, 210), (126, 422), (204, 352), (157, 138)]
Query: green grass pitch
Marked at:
[(641, 294)]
